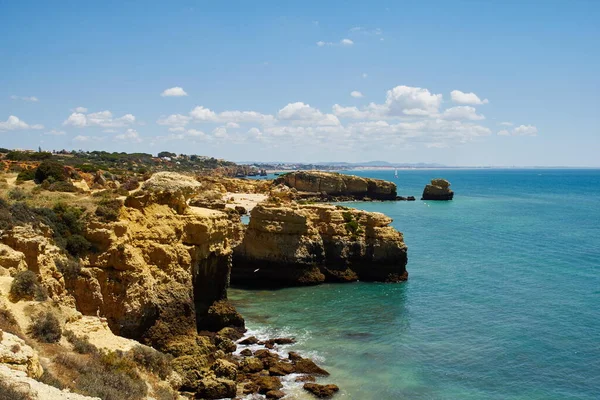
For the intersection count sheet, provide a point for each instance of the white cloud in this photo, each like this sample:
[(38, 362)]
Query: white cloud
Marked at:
[(349, 112), (55, 132), (203, 114), (220, 132), (14, 123), (408, 117), (81, 138), (525, 130), (411, 101), (303, 113), (506, 123), (196, 133), (102, 119), (174, 92), (31, 99), (80, 110), (174, 120), (344, 42), (364, 31), (466, 98), (244, 117), (462, 112), (521, 130), (130, 135), (356, 94)]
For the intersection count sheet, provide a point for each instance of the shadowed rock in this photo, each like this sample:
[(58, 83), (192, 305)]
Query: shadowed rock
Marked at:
[(438, 189)]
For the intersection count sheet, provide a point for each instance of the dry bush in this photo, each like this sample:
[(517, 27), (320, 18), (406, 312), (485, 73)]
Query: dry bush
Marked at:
[(108, 375), (81, 345), (26, 286), (152, 360), (8, 392), (45, 327), (69, 268)]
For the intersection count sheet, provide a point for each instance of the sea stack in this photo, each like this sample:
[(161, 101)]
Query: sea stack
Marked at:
[(438, 189)]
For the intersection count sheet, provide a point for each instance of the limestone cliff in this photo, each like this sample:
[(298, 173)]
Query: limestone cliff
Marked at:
[(438, 189), (335, 184), (308, 244)]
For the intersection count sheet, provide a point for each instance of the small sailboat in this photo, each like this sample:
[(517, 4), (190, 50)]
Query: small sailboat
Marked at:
[(396, 174)]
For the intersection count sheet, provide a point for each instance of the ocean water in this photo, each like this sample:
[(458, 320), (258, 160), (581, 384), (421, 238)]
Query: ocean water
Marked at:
[(502, 301)]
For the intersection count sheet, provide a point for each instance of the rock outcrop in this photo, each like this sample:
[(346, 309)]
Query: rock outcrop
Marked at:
[(438, 189), (338, 185), (157, 267), (15, 354), (294, 244)]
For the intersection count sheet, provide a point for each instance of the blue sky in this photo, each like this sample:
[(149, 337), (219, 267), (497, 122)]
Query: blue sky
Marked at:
[(456, 82)]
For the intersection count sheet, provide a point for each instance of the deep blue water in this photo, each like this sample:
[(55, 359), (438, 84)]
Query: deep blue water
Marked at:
[(502, 302)]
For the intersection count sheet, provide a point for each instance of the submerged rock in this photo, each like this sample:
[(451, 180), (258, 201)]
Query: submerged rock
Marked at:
[(438, 189)]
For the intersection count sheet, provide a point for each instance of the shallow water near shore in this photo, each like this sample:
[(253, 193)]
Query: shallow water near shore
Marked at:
[(502, 302)]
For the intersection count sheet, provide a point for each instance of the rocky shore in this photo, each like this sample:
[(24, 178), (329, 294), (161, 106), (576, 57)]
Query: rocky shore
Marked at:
[(156, 269)]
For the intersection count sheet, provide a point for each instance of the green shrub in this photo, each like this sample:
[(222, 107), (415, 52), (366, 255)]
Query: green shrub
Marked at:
[(8, 392), (108, 375), (152, 360), (50, 170), (109, 209), (348, 216), (62, 186), (89, 168), (81, 345), (26, 175), (69, 268), (77, 245), (17, 194), (45, 327), (352, 227), (26, 286)]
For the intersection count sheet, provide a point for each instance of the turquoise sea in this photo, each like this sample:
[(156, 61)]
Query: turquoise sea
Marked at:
[(502, 301)]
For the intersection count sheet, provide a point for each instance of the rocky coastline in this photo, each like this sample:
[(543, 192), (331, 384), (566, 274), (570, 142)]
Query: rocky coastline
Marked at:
[(158, 266)]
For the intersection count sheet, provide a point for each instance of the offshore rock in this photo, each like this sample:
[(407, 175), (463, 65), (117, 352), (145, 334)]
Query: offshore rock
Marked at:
[(335, 184), (294, 244), (438, 189)]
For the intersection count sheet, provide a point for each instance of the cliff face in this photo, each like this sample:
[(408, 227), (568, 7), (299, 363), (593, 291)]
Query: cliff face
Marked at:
[(335, 184), (156, 266), (308, 244)]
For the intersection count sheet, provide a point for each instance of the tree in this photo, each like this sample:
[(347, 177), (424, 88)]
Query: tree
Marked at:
[(50, 169)]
